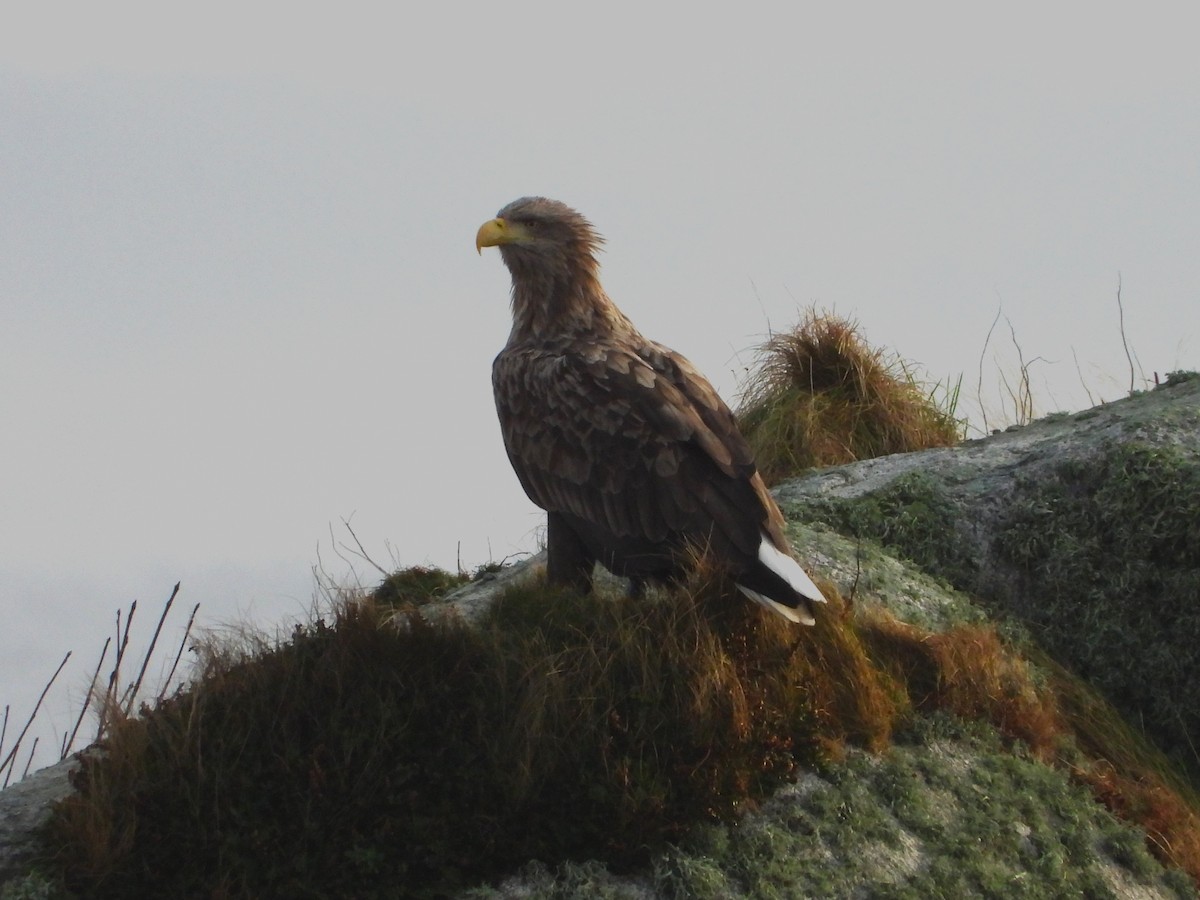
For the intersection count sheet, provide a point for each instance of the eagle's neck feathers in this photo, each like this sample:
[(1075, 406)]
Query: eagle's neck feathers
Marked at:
[(563, 299)]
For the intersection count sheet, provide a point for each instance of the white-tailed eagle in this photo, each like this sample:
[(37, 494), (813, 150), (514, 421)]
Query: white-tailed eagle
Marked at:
[(621, 440)]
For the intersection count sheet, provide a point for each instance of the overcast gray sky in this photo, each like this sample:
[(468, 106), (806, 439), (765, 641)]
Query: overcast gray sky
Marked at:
[(240, 302)]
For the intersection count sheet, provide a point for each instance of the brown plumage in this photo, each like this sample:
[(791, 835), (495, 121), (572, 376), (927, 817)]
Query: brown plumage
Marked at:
[(628, 448)]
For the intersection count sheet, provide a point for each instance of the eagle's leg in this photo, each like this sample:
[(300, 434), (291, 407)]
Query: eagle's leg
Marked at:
[(567, 559)]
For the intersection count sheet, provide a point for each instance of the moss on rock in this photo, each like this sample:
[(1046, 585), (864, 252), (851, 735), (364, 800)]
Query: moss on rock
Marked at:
[(1108, 552)]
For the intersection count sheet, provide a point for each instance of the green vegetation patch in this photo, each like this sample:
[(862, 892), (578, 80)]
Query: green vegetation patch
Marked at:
[(948, 813), (1110, 550), (912, 517), (416, 586)]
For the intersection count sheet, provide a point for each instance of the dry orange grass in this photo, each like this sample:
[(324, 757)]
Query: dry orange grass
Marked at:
[(970, 672), (1172, 825), (823, 675)]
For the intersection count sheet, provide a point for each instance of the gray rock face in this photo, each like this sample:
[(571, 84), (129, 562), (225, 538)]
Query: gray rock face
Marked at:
[(25, 807), (1083, 527), (472, 599), (981, 474)]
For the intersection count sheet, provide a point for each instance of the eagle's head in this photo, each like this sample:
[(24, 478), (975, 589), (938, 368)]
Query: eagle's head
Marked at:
[(550, 251), (541, 238)]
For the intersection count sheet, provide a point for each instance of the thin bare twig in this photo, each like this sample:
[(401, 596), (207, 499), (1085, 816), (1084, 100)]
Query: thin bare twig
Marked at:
[(1024, 401), (361, 552), (29, 759), (69, 742), (111, 696), (1023, 397), (6, 763), (982, 353), (122, 643), (187, 633), (330, 583), (1079, 372), (1124, 341), (131, 694)]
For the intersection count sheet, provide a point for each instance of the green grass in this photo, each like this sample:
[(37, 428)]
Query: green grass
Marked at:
[(416, 586), (912, 517)]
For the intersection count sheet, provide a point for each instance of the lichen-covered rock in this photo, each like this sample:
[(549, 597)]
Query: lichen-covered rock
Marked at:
[(1084, 527), (24, 807)]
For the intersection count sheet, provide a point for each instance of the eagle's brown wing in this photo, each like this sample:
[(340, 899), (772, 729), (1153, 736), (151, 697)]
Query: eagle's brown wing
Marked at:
[(717, 416), (630, 439)]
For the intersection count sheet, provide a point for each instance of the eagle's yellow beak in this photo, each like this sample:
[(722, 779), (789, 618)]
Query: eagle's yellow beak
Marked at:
[(495, 232)]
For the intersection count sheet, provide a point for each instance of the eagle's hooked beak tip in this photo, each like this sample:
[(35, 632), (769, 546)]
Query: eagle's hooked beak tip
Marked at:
[(491, 233)]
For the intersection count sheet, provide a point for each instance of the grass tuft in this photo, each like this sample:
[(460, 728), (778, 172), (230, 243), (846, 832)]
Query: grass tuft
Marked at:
[(416, 586), (821, 396), (970, 672)]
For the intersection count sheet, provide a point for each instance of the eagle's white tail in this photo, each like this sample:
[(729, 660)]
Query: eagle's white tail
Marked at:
[(791, 572)]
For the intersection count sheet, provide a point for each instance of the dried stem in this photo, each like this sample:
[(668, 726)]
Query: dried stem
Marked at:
[(7, 762), (131, 694), (69, 742), (1124, 341), (187, 633)]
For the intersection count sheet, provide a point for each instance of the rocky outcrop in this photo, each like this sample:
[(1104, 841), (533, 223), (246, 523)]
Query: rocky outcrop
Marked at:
[(1084, 527), (24, 808)]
